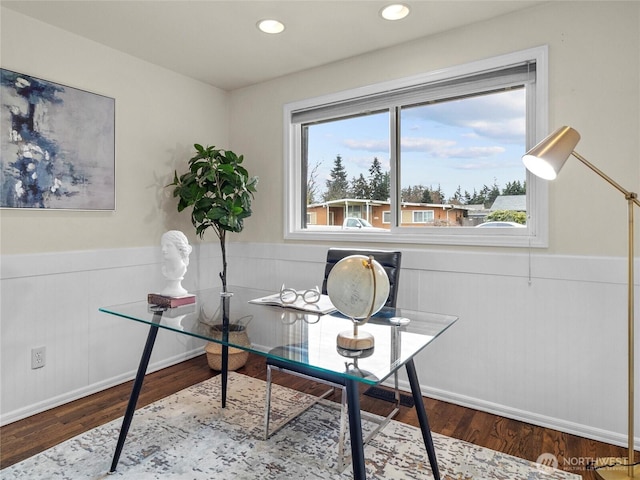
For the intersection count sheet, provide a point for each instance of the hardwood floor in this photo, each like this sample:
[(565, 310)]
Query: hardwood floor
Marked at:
[(27, 437)]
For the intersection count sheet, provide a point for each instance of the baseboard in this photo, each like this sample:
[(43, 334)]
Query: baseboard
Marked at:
[(572, 428), (43, 406)]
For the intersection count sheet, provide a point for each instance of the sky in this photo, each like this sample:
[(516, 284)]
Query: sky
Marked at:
[(469, 143)]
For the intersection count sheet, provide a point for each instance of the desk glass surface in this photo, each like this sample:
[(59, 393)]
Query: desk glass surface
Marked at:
[(309, 339)]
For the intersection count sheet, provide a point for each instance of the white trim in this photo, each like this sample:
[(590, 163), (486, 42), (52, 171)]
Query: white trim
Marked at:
[(559, 424)]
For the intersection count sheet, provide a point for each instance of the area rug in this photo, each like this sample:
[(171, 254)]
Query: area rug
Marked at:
[(188, 436)]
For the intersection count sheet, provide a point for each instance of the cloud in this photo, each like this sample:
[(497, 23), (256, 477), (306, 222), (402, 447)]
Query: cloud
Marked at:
[(425, 144), (472, 152), (506, 130), (442, 148), (498, 117), (376, 146), (432, 147)]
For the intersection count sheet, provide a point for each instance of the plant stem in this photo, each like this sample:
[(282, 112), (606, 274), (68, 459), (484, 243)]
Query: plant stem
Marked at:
[(223, 247)]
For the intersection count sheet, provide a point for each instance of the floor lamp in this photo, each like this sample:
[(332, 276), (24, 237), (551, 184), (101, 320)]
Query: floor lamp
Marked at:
[(545, 161)]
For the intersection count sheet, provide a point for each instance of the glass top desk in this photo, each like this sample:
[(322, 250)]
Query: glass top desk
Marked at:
[(314, 335)]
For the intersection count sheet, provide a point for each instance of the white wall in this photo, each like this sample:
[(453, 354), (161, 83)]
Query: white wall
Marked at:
[(593, 86), (58, 267), (552, 350), (541, 333), (159, 116)]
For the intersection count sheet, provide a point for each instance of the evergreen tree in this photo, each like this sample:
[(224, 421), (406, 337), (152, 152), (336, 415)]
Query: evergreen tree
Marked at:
[(378, 181), (515, 188), (360, 188), (486, 196), (494, 192), (468, 198), (386, 186), (457, 198), (413, 194), (437, 196), (337, 184), (427, 196)]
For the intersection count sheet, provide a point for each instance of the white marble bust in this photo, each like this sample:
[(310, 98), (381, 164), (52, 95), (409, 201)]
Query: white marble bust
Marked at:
[(175, 253)]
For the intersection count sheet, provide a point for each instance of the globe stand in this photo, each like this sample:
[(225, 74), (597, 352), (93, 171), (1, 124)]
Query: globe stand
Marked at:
[(354, 340)]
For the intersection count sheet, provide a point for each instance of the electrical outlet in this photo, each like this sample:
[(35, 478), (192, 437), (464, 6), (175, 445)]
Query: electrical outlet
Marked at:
[(38, 357)]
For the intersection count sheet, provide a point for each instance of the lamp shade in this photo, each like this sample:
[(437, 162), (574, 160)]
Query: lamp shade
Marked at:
[(547, 158)]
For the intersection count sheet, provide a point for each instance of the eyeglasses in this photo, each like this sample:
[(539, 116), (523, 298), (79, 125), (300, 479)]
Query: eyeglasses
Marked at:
[(289, 318), (289, 296)]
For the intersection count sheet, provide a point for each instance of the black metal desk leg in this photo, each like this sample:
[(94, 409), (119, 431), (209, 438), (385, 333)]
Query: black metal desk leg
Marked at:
[(355, 429), (135, 392), (422, 418), (225, 373)]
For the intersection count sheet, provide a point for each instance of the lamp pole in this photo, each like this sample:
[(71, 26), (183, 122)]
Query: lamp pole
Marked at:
[(545, 160), (632, 199)]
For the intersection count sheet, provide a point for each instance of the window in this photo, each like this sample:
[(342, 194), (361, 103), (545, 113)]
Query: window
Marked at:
[(422, 216), (354, 211), (425, 156), (311, 218)]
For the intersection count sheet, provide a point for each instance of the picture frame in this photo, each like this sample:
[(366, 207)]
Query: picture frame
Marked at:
[(57, 149)]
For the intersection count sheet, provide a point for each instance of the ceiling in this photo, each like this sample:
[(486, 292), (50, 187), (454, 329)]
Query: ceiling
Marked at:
[(217, 42)]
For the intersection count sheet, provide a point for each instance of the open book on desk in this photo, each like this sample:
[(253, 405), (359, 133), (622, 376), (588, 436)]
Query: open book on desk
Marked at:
[(322, 306)]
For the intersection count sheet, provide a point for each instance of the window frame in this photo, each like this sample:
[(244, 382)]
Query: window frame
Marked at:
[(536, 233)]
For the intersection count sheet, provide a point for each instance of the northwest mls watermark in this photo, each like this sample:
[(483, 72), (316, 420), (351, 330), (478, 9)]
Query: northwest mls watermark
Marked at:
[(548, 462)]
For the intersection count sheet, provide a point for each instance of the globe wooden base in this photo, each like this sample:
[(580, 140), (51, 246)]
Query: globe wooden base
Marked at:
[(359, 341)]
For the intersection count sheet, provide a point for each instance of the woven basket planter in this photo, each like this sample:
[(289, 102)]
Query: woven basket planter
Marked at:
[(237, 357)]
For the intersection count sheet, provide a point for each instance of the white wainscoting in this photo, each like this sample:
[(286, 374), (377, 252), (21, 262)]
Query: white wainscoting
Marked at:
[(52, 300), (540, 337)]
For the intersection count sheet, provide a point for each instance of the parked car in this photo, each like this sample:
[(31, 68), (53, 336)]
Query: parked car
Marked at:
[(500, 225), (353, 223)]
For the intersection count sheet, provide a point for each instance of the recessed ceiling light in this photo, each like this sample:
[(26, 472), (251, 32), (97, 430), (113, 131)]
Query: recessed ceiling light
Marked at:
[(270, 26), (397, 11)]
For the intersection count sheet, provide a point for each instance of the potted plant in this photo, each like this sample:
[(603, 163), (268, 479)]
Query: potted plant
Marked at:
[(220, 191)]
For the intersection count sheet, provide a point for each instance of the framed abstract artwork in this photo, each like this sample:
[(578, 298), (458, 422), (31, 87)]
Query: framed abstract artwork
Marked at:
[(57, 149)]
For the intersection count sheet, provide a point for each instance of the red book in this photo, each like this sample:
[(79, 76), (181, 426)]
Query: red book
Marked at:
[(170, 302)]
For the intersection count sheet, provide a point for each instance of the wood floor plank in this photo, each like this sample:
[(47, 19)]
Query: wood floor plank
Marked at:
[(24, 438)]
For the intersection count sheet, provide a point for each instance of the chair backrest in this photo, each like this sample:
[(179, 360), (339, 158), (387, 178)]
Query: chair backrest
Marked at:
[(390, 261)]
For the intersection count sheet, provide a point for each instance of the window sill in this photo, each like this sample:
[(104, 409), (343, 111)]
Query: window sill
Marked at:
[(452, 236)]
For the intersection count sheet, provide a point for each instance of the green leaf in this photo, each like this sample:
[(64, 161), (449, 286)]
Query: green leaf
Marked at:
[(217, 188)]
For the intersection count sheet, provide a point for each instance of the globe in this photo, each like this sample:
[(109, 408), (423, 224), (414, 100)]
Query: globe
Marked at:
[(350, 286), (352, 290)]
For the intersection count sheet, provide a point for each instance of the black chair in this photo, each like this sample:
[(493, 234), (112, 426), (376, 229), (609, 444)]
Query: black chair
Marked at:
[(390, 261)]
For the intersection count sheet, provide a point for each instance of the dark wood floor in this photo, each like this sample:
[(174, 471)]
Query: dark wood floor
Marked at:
[(27, 437)]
